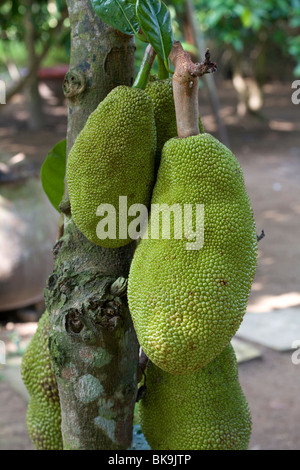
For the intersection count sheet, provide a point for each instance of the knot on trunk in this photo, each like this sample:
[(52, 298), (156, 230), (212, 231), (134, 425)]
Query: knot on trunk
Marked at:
[(74, 84), (83, 322)]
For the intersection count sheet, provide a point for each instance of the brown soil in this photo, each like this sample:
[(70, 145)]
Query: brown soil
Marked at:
[(269, 153), (13, 431)]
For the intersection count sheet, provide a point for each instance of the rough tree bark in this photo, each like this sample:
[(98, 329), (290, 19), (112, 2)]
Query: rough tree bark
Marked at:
[(92, 341)]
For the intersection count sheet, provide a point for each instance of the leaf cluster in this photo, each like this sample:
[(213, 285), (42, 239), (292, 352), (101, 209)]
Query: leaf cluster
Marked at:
[(149, 20), (12, 14), (245, 23)]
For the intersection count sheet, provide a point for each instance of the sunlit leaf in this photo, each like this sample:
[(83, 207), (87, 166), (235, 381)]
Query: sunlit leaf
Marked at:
[(120, 14), (246, 18)]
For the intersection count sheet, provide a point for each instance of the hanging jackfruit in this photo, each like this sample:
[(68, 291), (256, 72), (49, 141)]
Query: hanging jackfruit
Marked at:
[(112, 157), (205, 410), (161, 94), (188, 300), (43, 412)]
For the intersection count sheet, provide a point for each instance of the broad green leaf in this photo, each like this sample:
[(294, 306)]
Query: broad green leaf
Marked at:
[(246, 18), (120, 14), (155, 20), (53, 173)]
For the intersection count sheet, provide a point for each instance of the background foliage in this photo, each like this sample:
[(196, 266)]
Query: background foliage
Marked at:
[(248, 37)]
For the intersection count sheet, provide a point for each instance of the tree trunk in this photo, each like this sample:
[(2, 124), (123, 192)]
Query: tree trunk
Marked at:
[(34, 101), (250, 92), (92, 341)]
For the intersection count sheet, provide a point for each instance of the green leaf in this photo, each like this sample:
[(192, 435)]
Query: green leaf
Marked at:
[(155, 20), (120, 14), (53, 173), (246, 18)]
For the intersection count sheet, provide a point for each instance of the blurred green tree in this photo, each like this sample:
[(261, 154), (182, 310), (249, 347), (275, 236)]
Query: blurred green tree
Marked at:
[(249, 33), (28, 31)]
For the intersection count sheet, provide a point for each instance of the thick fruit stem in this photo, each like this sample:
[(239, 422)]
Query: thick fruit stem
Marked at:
[(185, 88), (145, 68), (162, 70)]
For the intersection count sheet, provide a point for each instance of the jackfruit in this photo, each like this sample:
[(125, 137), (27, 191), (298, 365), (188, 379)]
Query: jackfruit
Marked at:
[(161, 94), (205, 410), (43, 411), (188, 300), (112, 156)]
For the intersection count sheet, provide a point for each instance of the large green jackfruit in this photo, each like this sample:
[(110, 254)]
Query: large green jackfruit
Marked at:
[(205, 410), (113, 156), (188, 300), (161, 94), (43, 412)]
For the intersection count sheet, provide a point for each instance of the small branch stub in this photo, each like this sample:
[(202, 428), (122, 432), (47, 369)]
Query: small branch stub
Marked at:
[(65, 206), (185, 68), (261, 236)]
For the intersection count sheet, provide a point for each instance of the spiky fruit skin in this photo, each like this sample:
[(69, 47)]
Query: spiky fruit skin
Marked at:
[(161, 94), (205, 410), (186, 304), (112, 156), (43, 412)]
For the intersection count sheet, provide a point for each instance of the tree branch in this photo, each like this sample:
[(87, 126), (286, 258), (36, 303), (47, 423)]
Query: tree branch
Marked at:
[(18, 86)]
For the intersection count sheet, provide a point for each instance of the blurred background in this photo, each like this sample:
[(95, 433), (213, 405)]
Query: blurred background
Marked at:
[(250, 104)]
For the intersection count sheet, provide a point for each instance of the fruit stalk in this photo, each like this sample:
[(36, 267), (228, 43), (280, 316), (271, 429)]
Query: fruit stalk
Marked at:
[(162, 71), (185, 88), (145, 68)]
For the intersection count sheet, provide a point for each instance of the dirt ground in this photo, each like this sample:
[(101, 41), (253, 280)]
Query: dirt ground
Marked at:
[(269, 153)]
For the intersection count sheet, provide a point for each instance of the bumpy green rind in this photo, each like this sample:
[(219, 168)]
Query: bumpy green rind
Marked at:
[(113, 156), (187, 304), (161, 94), (206, 410), (43, 412)]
